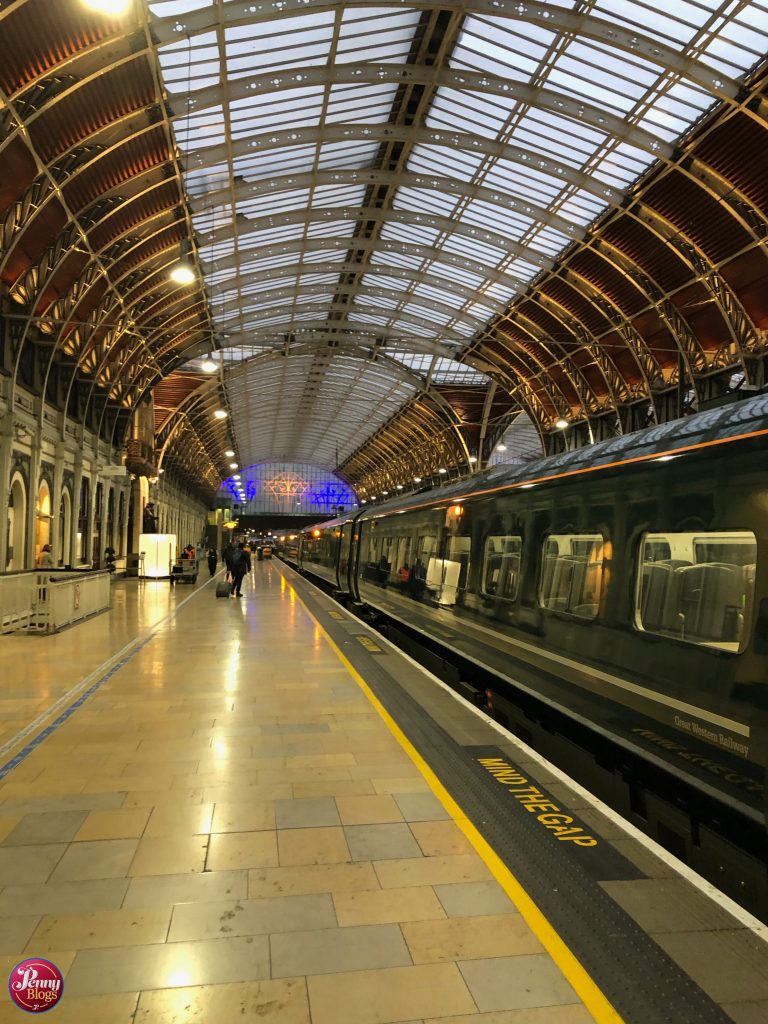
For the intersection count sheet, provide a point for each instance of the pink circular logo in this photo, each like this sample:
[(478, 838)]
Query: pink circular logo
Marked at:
[(36, 985)]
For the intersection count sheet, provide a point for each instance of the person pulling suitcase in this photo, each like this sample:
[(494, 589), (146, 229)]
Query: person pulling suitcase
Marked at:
[(224, 588), (241, 564)]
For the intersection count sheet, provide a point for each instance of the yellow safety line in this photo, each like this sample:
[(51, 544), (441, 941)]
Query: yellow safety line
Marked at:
[(590, 994)]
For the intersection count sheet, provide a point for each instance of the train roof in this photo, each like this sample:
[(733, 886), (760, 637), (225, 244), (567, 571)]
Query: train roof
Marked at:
[(728, 423)]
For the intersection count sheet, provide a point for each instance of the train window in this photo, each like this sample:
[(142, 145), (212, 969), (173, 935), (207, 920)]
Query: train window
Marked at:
[(657, 550), (572, 574), (426, 548), (501, 567), (401, 561), (378, 564), (703, 592)]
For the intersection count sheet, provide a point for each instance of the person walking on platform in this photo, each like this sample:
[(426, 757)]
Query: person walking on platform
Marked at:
[(241, 564), (212, 560)]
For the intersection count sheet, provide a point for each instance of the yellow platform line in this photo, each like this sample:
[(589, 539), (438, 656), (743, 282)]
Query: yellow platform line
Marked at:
[(590, 994)]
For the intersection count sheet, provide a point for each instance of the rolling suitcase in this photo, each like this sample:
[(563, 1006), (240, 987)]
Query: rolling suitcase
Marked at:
[(223, 589)]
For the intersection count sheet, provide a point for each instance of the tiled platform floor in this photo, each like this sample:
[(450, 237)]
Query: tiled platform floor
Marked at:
[(227, 831)]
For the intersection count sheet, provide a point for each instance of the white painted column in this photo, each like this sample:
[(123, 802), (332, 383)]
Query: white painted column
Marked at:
[(123, 547), (92, 482), (140, 492), (56, 499), (76, 485), (6, 448), (35, 458)]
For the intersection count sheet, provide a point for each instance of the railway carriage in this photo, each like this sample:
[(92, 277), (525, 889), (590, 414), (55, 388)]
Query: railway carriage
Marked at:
[(616, 597)]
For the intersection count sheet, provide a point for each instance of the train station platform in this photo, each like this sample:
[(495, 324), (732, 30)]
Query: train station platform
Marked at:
[(258, 809)]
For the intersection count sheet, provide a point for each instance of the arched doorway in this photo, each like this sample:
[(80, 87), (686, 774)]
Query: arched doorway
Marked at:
[(65, 530), (17, 517), (43, 520)]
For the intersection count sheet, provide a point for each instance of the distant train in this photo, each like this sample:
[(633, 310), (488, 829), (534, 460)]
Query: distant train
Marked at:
[(625, 584)]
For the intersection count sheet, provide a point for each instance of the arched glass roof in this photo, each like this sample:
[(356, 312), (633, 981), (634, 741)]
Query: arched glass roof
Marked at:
[(312, 407), (394, 175)]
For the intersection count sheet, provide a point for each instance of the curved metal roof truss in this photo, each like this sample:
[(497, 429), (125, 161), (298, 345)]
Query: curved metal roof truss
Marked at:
[(370, 188)]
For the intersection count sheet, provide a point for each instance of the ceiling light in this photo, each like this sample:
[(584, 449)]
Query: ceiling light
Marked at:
[(501, 447), (666, 458), (561, 424), (233, 465), (526, 487), (229, 453), (221, 414), (399, 487), (385, 492), (417, 479), (442, 470), (183, 271), (473, 459), (112, 8), (373, 497), (236, 477), (208, 366), (363, 501)]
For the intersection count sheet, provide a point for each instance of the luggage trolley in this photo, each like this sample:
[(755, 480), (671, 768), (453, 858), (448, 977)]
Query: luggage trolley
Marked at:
[(184, 570)]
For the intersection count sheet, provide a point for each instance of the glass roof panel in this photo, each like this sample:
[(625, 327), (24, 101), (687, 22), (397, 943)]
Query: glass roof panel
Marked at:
[(346, 154), (426, 313), (466, 112), (168, 8), (438, 295), (323, 256), (422, 200), (439, 369), (359, 104), (206, 126), (502, 47), (496, 218), (415, 233), (397, 258), (678, 28), (330, 229), (455, 163), (193, 63)]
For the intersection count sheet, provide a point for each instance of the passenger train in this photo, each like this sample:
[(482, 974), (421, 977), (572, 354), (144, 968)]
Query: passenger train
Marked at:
[(622, 587)]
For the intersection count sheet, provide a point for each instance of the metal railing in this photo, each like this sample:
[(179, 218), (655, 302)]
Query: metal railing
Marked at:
[(46, 601), (18, 600)]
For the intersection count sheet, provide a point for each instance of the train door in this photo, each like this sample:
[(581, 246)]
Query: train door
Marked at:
[(300, 550), (358, 539), (342, 566), (455, 569), (401, 561), (428, 565)]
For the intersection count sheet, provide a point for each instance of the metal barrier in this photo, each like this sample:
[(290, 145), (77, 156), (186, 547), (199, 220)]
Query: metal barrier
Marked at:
[(18, 600), (45, 602)]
